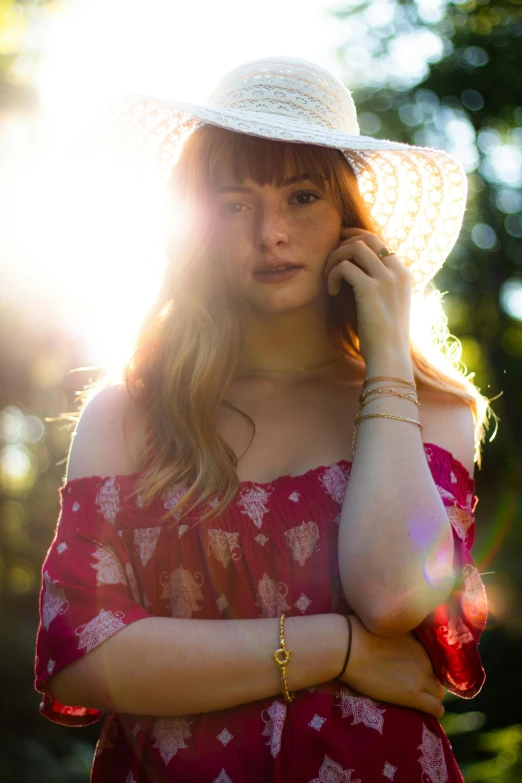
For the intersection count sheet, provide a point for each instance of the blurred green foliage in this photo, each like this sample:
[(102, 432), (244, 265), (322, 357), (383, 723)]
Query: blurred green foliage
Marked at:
[(449, 75)]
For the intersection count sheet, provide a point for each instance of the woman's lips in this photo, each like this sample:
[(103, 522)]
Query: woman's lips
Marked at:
[(277, 277)]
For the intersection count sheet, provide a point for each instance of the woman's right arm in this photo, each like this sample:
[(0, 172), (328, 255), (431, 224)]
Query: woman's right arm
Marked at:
[(168, 666)]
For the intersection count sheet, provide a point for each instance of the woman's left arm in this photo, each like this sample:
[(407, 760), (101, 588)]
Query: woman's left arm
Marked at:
[(403, 559), (395, 539)]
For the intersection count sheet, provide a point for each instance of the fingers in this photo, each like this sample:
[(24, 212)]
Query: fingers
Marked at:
[(431, 705), (345, 270), (375, 243), (434, 687), (361, 253)]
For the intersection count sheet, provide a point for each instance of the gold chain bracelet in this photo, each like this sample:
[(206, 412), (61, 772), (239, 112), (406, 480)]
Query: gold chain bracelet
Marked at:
[(365, 396), (282, 658), (378, 416), (363, 400), (379, 378)]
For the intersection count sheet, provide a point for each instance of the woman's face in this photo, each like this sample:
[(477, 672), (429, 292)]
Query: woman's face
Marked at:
[(298, 223)]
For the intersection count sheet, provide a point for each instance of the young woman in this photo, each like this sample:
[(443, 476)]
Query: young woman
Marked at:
[(262, 567)]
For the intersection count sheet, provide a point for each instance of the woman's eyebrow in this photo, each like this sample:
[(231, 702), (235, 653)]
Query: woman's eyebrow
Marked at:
[(244, 189)]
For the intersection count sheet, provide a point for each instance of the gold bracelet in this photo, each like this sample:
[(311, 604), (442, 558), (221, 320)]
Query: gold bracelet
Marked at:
[(363, 399), (376, 378), (282, 658), (379, 415)]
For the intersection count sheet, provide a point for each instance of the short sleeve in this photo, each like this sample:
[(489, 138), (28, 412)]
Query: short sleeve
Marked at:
[(451, 633), (88, 589)]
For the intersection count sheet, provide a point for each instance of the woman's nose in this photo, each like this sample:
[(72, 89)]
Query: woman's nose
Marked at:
[(271, 229)]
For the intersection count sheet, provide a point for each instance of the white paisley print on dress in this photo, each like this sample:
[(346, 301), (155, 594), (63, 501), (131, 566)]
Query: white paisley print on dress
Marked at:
[(108, 499), (459, 686), (474, 591), (389, 770), (225, 736), (224, 546), (222, 603), (170, 735), (460, 520), (145, 540), (54, 601), (335, 480), (302, 541), (362, 709), (294, 497), (274, 725), (456, 633), (302, 603), (432, 760), (222, 778), (182, 590), (332, 772), (253, 501), (172, 497), (317, 722), (271, 597), (109, 567), (98, 629)]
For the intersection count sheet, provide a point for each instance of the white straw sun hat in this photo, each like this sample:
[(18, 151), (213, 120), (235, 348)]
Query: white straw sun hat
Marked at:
[(416, 195)]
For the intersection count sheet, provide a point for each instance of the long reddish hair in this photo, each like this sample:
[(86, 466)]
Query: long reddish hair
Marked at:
[(189, 344)]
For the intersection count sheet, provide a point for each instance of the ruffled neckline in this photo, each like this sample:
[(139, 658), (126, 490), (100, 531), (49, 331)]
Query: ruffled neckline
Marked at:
[(130, 478)]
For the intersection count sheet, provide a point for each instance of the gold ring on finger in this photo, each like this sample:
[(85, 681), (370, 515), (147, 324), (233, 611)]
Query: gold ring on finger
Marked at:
[(385, 252)]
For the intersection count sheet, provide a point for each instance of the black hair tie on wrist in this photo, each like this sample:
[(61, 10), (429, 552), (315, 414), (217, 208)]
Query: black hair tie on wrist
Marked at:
[(349, 648)]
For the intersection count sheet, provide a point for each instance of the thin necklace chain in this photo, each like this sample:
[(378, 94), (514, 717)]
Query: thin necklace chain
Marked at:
[(299, 369)]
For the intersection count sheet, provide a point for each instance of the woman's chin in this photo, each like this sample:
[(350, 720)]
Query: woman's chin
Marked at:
[(281, 301)]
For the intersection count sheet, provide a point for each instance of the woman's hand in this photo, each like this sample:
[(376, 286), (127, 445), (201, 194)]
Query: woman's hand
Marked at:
[(382, 290), (395, 669)]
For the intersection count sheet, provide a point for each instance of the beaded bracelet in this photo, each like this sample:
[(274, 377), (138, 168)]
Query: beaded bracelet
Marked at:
[(282, 658)]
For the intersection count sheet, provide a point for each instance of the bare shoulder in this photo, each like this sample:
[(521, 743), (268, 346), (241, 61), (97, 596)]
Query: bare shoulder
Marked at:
[(447, 421), (109, 438)]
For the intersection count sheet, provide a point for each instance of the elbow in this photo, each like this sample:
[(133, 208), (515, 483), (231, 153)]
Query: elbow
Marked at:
[(73, 691), (392, 623), (402, 616), (57, 686)]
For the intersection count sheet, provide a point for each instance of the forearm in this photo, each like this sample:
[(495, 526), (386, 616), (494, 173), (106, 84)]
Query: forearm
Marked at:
[(395, 539), (165, 666)]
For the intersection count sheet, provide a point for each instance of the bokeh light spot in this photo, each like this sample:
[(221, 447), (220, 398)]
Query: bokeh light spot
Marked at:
[(20, 578), (483, 236), (472, 100), (11, 424), (511, 298)]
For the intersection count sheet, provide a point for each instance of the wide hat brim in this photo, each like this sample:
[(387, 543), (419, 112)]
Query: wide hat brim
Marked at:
[(416, 195)]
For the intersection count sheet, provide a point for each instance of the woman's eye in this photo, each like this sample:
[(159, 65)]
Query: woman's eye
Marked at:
[(229, 208), (307, 195)]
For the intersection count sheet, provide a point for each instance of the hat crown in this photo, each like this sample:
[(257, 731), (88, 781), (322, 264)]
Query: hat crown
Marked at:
[(299, 90)]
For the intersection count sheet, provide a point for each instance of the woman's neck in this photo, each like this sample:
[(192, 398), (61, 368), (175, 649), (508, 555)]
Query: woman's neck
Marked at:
[(293, 340)]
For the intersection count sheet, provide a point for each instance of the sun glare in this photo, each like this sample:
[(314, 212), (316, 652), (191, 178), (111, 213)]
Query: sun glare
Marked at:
[(84, 239)]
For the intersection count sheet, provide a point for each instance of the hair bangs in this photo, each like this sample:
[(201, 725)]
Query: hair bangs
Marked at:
[(266, 161)]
